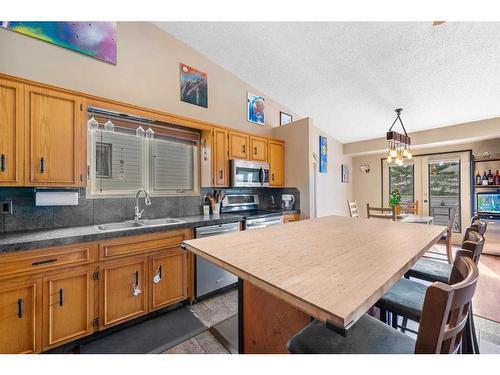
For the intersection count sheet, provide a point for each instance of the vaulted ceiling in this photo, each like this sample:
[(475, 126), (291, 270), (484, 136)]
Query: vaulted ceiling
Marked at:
[(350, 76)]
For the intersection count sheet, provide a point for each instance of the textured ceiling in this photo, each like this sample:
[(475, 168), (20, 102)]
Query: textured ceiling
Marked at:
[(350, 76)]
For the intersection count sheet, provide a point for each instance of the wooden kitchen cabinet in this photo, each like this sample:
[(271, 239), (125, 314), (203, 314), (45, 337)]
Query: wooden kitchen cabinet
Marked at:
[(258, 149), (276, 163), (54, 138), (238, 146), (21, 316), (287, 218), (168, 277), (68, 305), (11, 133), (123, 290), (220, 158)]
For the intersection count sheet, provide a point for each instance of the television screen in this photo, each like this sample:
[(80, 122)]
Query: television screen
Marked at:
[(488, 203)]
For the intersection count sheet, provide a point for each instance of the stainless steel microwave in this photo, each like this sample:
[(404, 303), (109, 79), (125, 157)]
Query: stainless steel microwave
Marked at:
[(249, 173)]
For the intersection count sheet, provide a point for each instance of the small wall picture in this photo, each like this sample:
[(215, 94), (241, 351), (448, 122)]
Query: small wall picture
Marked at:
[(194, 86), (365, 168), (345, 173), (285, 118), (255, 109), (323, 154)]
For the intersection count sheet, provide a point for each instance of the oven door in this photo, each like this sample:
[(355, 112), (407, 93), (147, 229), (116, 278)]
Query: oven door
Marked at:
[(248, 174)]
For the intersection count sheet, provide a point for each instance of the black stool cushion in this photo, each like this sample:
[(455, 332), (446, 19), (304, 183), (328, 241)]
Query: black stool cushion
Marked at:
[(405, 298), (367, 336), (431, 270)]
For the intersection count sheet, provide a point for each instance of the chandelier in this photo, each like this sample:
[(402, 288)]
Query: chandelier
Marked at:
[(399, 144)]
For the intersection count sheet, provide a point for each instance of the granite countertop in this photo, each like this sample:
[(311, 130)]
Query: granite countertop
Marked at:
[(27, 240)]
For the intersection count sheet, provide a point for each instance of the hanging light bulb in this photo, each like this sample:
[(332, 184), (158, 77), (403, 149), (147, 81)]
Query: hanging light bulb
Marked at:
[(409, 155), (92, 123), (109, 126), (405, 152), (389, 159), (393, 152)]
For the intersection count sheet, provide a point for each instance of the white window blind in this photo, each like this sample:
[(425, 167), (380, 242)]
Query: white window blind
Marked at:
[(121, 162)]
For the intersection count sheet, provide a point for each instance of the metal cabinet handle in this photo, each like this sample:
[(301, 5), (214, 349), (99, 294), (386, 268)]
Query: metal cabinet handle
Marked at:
[(255, 150), (272, 176), (2, 163), (137, 278), (220, 174), (42, 165), (60, 297), (20, 308), (244, 148), (40, 262)]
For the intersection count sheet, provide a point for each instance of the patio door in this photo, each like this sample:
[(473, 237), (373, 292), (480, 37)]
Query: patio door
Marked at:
[(439, 183)]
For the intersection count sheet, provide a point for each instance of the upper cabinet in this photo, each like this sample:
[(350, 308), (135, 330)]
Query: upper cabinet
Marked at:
[(238, 146), (276, 163), (220, 158), (258, 149), (54, 138), (11, 133)]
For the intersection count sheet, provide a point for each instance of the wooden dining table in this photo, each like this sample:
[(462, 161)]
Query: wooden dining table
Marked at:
[(332, 268)]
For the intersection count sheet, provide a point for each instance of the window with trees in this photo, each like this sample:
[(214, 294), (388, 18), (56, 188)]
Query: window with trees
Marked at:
[(402, 177)]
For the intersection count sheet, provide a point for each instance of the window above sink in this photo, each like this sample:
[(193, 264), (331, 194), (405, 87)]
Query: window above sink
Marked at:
[(127, 153)]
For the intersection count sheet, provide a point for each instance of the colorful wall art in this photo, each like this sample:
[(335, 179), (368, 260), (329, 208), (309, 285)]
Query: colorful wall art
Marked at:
[(323, 154), (194, 86), (255, 109), (95, 39)]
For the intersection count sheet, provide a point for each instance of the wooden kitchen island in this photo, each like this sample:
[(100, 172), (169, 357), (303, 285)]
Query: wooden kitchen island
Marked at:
[(332, 268)]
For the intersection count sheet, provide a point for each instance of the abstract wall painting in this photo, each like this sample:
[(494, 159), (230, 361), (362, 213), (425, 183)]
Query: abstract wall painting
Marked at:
[(95, 39), (194, 86), (255, 109), (323, 154)]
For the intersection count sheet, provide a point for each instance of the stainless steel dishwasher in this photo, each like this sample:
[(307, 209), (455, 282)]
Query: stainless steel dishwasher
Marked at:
[(209, 277)]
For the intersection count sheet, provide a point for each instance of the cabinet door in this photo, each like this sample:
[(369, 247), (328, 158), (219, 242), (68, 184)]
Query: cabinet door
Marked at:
[(168, 278), (53, 138), (258, 149), (124, 290), (276, 163), (68, 306), (238, 146), (21, 316), (11, 133), (220, 158)]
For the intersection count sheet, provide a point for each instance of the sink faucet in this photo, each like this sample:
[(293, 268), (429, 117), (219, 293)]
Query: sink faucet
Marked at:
[(147, 202)]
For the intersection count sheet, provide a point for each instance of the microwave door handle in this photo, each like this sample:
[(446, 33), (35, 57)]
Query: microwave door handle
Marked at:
[(261, 175)]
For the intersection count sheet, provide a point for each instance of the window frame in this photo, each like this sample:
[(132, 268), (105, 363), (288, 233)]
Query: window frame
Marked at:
[(92, 191), (412, 177)]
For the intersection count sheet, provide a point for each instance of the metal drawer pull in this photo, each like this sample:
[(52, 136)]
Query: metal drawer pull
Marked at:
[(135, 290), (20, 308), (42, 165), (40, 262), (60, 297), (220, 173), (157, 278), (255, 150), (244, 148), (2, 163)]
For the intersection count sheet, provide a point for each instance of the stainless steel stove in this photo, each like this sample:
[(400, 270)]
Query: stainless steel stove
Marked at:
[(247, 205)]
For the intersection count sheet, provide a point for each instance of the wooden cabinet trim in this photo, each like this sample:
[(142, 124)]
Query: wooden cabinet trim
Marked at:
[(36, 261)]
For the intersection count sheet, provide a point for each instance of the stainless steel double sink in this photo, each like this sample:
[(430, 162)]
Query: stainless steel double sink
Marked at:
[(132, 224)]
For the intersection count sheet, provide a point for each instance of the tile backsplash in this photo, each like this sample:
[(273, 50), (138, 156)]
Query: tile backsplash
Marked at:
[(27, 216)]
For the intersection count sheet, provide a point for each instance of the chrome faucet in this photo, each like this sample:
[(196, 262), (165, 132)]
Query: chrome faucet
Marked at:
[(147, 202)]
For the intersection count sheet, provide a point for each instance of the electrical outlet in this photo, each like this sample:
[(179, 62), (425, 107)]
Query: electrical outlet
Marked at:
[(5, 208)]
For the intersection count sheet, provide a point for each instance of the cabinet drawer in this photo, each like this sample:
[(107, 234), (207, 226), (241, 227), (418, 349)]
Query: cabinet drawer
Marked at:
[(133, 245), (23, 262)]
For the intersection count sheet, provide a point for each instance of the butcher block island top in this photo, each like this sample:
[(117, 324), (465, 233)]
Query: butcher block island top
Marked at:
[(333, 268)]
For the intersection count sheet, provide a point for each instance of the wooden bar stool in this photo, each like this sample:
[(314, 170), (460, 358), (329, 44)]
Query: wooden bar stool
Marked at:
[(444, 316)]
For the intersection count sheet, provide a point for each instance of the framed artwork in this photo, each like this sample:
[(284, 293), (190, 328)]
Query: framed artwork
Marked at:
[(365, 168), (95, 39), (103, 160), (194, 86), (255, 109), (345, 173), (323, 154), (285, 118)]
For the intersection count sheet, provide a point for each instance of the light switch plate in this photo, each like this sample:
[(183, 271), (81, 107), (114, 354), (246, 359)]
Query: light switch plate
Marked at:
[(5, 208)]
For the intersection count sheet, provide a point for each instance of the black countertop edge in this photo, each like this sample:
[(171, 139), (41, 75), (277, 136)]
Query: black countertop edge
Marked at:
[(29, 240), (37, 239)]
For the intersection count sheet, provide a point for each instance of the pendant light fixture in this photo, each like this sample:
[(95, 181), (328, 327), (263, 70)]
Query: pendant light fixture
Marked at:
[(399, 144)]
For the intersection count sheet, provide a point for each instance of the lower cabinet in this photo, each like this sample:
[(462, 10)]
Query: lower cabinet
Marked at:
[(20, 316), (68, 305), (168, 278), (124, 290)]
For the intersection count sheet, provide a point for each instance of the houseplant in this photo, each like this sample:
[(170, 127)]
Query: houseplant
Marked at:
[(395, 201)]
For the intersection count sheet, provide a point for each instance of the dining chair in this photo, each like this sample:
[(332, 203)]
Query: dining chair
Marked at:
[(443, 318), (353, 208), (410, 207), (381, 215), (446, 239)]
